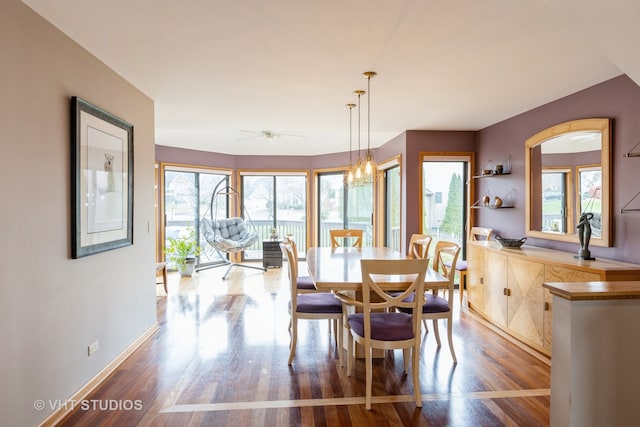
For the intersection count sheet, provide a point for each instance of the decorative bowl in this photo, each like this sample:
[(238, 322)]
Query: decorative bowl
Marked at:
[(510, 243)]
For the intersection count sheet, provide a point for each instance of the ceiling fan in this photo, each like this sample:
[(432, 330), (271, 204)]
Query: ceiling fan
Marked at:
[(267, 134)]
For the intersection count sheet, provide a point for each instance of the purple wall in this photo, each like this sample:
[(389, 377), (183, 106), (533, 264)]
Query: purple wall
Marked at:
[(619, 99), (206, 158)]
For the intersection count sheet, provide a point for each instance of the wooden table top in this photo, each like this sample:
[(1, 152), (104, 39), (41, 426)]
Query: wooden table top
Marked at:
[(339, 269), (576, 291)]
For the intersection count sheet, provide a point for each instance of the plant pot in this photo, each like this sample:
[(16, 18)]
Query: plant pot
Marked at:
[(186, 270)]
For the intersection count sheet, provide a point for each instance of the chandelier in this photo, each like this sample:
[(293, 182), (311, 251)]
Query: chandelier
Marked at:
[(364, 170), (370, 168), (349, 174)]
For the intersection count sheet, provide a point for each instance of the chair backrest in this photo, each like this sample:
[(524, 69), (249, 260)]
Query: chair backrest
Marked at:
[(231, 228), (445, 258), (419, 246), (355, 235), (480, 233), (289, 240), (376, 272), (292, 261)]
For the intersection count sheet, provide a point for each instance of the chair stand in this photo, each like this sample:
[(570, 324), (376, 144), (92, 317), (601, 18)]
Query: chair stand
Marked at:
[(162, 267), (463, 284), (231, 264)]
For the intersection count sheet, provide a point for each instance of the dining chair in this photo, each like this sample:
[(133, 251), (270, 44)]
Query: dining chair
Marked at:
[(476, 233), (438, 307), (419, 246), (303, 283), (346, 234), (309, 306), (378, 325)]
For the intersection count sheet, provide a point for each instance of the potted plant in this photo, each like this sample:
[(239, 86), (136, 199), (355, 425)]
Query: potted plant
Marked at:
[(183, 251), (273, 233)]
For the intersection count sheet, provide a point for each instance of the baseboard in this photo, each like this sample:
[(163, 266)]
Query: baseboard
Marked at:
[(97, 380)]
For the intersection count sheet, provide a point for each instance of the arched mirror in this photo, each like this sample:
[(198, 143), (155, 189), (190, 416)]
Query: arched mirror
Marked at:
[(568, 174)]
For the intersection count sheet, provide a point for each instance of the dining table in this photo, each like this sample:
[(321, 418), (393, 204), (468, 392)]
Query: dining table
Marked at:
[(338, 269)]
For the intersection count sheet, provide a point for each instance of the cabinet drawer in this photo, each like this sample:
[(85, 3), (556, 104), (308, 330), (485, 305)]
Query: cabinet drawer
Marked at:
[(553, 273), (272, 262)]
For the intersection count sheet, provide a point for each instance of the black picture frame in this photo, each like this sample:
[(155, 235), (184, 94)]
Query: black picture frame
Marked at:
[(101, 180)]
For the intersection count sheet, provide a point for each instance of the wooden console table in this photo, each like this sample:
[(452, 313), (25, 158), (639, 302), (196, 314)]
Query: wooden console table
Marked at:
[(505, 286)]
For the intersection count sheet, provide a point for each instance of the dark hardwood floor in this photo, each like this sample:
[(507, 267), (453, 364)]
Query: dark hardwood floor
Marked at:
[(220, 359)]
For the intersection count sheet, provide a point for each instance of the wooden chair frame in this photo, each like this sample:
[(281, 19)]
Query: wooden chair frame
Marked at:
[(295, 315), (419, 246), (373, 270), (474, 234), (444, 261), (346, 233)]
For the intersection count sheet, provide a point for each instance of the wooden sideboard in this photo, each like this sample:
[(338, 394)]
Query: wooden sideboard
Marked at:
[(505, 286)]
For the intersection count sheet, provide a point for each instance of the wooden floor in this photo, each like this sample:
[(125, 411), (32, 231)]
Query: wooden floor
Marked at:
[(220, 359)]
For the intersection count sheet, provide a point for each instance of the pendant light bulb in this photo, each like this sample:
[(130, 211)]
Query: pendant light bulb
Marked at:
[(370, 162), (348, 176)]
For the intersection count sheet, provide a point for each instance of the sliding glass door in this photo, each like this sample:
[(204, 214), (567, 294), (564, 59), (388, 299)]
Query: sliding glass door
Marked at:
[(275, 201), (444, 200), (187, 197), (339, 207), (392, 208)]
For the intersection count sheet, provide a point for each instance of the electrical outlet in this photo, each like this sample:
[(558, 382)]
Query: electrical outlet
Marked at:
[(93, 347)]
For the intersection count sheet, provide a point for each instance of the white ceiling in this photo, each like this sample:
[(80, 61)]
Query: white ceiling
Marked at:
[(215, 68)]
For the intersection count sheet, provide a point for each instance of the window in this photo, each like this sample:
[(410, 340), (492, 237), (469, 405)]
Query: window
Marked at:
[(590, 183), (187, 198), (392, 208), (339, 207), (280, 201), (444, 198), (554, 200)]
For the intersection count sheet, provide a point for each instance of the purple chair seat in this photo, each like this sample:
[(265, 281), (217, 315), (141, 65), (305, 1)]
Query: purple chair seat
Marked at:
[(384, 326), (305, 282), (432, 304), (318, 303), (461, 265)]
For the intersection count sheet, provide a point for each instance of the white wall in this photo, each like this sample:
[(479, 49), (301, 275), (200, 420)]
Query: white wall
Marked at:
[(53, 307)]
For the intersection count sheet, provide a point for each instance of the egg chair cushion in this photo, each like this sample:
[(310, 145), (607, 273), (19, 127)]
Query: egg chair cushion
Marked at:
[(228, 234)]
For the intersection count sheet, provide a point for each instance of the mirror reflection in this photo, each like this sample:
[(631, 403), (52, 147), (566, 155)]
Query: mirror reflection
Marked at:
[(567, 175)]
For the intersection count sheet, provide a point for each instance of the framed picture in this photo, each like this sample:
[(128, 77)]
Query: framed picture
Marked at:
[(101, 179)]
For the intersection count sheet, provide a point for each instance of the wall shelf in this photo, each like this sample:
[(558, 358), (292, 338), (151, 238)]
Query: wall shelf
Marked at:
[(626, 209), (491, 207), (505, 166), (492, 175), (632, 153), (507, 201)]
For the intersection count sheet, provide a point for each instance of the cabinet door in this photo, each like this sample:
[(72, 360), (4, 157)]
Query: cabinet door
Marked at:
[(495, 285), (475, 274), (525, 305)]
